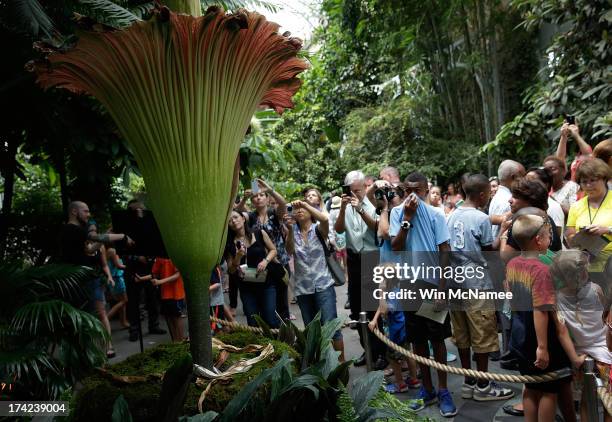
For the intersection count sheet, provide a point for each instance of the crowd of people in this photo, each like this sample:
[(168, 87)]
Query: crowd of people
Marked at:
[(551, 227)]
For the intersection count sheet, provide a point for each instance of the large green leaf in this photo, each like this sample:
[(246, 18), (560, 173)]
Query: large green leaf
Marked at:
[(365, 388), (209, 416), (242, 399), (327, 332), (313, 340), (121, 411), (174, 389)]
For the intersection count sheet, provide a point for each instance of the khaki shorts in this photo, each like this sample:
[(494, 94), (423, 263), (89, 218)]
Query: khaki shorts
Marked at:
[(476, 327)]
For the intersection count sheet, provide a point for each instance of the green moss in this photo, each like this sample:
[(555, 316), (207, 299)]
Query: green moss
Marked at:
[(94, 401)]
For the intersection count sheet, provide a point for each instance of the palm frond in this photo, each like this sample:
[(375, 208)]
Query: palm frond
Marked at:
[(51, 318), (29, 17), (240, 4), (142, 10), (24, 364), (19, 286), (109, 13)]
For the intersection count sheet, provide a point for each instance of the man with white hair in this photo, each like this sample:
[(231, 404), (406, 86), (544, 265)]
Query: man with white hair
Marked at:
[(499, 210), (357, 218), (391, 175)]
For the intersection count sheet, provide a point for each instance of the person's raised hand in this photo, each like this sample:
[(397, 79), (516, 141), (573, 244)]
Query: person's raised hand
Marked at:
[(565, 130), (298, 204), (574, 130), (355, 202), (346, 199), (240, 249), (289, 221), (248, 194), (263, 186), (410, 206)]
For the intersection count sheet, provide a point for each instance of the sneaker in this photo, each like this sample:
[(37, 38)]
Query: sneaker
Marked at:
[(492, 392), (451, 357), (423, 399), (413, 383), (467, 390), (396, 388), (445, 402)]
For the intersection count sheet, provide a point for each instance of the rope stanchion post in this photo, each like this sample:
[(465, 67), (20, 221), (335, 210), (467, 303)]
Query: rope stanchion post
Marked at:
[(590, 390), (365, 335)]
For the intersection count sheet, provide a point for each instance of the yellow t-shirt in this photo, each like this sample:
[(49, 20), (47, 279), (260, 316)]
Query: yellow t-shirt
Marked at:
[(578, 218)]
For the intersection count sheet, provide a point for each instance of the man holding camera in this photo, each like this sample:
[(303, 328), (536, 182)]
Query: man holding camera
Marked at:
[(357, 219)]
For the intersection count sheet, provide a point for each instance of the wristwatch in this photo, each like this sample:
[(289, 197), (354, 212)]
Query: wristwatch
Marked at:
[(405, 225), (360, 210)]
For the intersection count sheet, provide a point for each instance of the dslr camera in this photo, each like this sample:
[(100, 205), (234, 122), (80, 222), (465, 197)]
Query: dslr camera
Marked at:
[(387, 192)]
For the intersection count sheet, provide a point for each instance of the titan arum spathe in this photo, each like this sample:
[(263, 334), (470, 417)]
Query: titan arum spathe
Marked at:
[(182, 91)]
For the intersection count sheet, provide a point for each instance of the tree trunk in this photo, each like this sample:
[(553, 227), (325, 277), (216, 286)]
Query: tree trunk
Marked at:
[(61, 169), (9, 189)]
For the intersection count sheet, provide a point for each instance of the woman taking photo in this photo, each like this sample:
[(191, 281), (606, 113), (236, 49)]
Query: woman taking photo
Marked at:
[(248, 255), (268, 219), (592, 215), (313, 282), (314, 198)]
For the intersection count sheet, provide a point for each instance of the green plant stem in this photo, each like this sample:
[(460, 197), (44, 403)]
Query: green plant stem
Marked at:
[(198, 304), (189, 7)]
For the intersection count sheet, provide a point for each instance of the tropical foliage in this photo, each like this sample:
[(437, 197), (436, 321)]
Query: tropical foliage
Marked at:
[(46, 342)]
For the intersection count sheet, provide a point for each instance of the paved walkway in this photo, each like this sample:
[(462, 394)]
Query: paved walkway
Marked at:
[(469, 410)]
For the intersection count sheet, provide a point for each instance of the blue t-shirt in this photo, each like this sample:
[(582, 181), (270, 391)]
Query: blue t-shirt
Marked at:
[(427, 232), (470, 230)]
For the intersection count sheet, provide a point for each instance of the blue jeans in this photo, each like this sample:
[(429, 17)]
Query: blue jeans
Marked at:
[(324, 302), (258, 299)]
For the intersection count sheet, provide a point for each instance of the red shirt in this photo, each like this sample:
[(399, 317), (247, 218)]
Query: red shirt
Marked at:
[(163, 268)]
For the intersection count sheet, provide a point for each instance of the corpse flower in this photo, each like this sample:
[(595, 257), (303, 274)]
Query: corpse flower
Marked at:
[(182, 91)]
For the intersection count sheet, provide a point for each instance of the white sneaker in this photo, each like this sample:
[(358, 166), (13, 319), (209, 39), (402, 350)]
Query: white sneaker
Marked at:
[(467, 390), (492, 392)]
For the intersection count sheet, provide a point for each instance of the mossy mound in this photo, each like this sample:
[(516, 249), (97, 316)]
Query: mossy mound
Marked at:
[(94, 401)]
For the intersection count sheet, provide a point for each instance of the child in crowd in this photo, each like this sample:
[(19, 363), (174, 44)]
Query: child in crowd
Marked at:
[(580, 304), (217, 300), (435, 199), (166, 275), (475, 322), (393, 318), (535, 329), (116, 267)]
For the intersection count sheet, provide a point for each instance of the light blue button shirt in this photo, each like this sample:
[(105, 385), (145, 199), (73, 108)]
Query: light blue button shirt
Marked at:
[(359, 238)]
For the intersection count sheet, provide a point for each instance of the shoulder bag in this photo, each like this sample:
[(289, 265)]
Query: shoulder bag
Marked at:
[(334, 266)]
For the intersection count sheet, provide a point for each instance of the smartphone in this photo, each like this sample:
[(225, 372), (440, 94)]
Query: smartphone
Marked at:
[(346, 190), (254, 187), (289, 209), (570, 119)]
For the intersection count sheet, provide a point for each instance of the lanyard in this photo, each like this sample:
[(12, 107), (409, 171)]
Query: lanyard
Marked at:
[(598, 208)]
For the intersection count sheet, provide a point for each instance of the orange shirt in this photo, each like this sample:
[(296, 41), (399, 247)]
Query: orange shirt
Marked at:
[(163, 268)]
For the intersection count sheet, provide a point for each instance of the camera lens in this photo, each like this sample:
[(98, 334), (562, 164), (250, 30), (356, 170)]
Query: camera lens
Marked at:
[(289, 208), (379, 194)]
